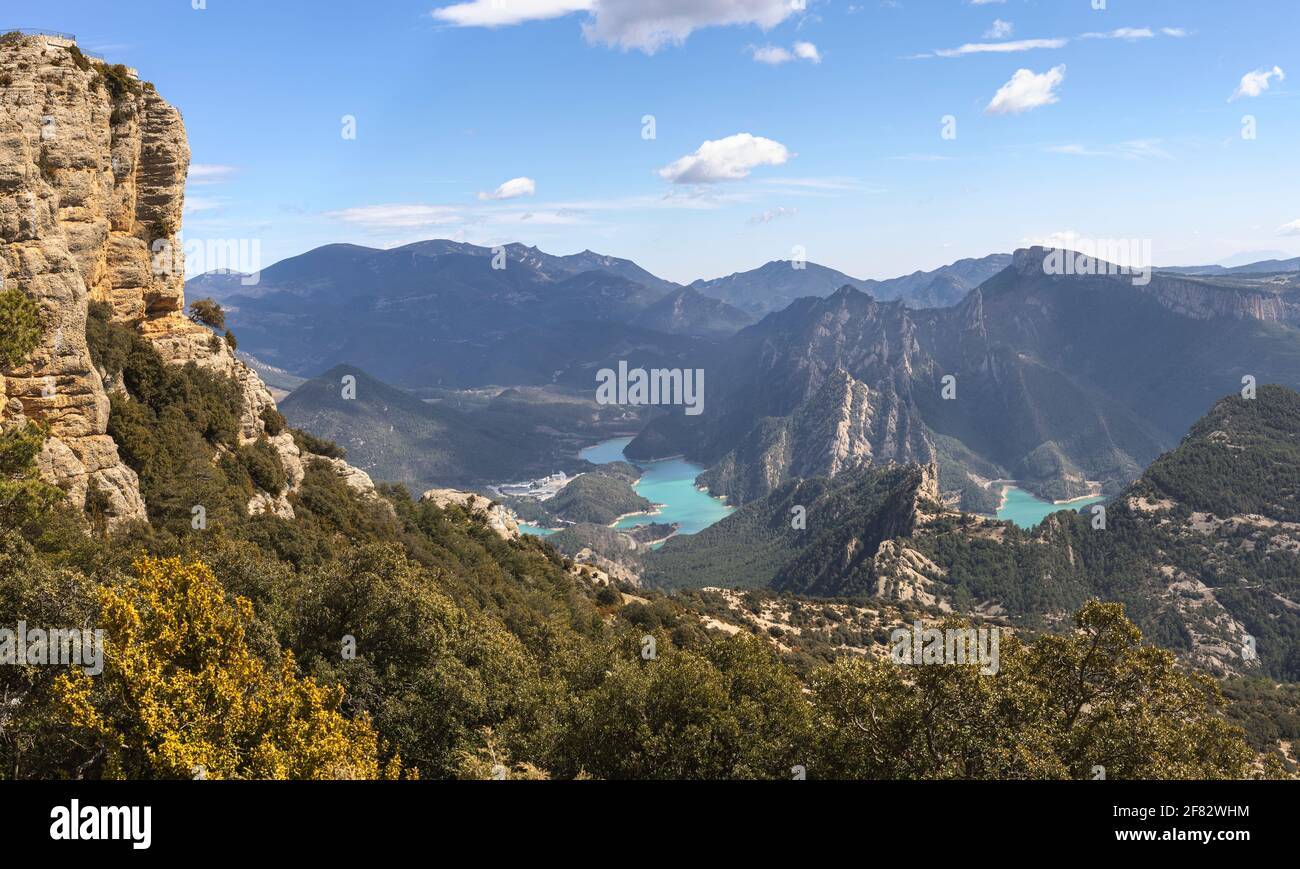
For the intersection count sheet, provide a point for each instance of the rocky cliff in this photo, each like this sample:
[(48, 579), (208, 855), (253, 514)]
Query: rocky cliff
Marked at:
[(1268, 298), (93, 165), (844, 425)]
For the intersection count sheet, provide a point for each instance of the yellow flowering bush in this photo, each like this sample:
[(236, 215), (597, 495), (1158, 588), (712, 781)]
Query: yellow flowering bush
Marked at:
[(183, 695)]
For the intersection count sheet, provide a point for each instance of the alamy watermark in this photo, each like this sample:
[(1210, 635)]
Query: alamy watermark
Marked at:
[(1103, 256), (921, 645), (242, 256), (58, 646), (638, 386)]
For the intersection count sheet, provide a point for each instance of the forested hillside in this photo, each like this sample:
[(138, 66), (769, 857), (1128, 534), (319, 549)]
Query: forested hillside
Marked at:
[(385, 637)]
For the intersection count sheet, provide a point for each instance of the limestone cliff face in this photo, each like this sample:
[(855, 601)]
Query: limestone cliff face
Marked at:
[(92, 185), (67, 209), (844, 425), (1190, 296)]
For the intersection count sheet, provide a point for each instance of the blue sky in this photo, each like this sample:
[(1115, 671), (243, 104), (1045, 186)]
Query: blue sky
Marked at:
[(1126, 124)]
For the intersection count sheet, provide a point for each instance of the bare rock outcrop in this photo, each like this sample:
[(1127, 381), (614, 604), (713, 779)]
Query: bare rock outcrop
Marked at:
[(498, 517), (68, 173), (93, 166)]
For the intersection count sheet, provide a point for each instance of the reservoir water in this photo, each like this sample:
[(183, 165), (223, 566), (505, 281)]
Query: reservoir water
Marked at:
[(669, 482), (1027, 511)]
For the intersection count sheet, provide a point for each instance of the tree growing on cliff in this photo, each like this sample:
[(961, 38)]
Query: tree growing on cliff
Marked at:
[(208, 313), (24, 497), (20, 327)]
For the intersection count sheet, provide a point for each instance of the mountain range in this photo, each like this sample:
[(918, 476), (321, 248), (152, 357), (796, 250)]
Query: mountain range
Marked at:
[(1203, 548), (221, 550), (1261, 267), (440, 313), (1069, 383), (450, 314), (780, 283)]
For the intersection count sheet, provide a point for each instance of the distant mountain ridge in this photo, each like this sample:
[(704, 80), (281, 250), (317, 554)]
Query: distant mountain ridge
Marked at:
[(444, 313), (1061, 382), (778, 284), (1263, 267), (397, 437)]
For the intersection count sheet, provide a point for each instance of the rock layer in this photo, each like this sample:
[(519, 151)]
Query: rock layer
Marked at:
[(92, 186), (70, 160)]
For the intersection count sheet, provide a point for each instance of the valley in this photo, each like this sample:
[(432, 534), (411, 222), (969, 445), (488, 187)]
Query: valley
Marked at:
[(668, 485), (440, 492)]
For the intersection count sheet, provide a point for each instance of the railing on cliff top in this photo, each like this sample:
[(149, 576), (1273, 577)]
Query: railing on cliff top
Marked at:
[(67, 37), (39, 31)]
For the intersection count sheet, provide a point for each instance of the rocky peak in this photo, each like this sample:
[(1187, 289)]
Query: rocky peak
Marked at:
[(93, 165), (1028, 261)]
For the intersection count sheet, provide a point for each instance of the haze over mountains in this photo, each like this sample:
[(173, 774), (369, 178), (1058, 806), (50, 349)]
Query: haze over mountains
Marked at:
[(1260, 267), (1059, 380), (1069, 384), (778, 284), (437, 313)]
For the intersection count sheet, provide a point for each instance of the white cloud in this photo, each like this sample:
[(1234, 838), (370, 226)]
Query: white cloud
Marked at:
[(649, 25), (999, 29), (198, 204), (645, 25), (822, 185), (1255, 83), (772, 54), (729, 159), (773, 214), (1131, 34), (1002, 28), (807, 51), (775, 54), (999, 47), (494, 13), (512, 189), (1027, 90), (984, 2), (209, 173), (397, 216), (1134, 149), (1292, 228)]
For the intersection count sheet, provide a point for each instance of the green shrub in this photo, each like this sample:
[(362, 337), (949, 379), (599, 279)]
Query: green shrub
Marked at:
[(110, 343), (263, 465), (24, 498), (82, 62), (273, 420), (309, 443), (20, 327), (119, 82), (169, 429)]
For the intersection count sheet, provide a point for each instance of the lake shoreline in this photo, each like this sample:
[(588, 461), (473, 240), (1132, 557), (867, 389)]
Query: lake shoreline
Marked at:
[(1029, 511), (669, 484)]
